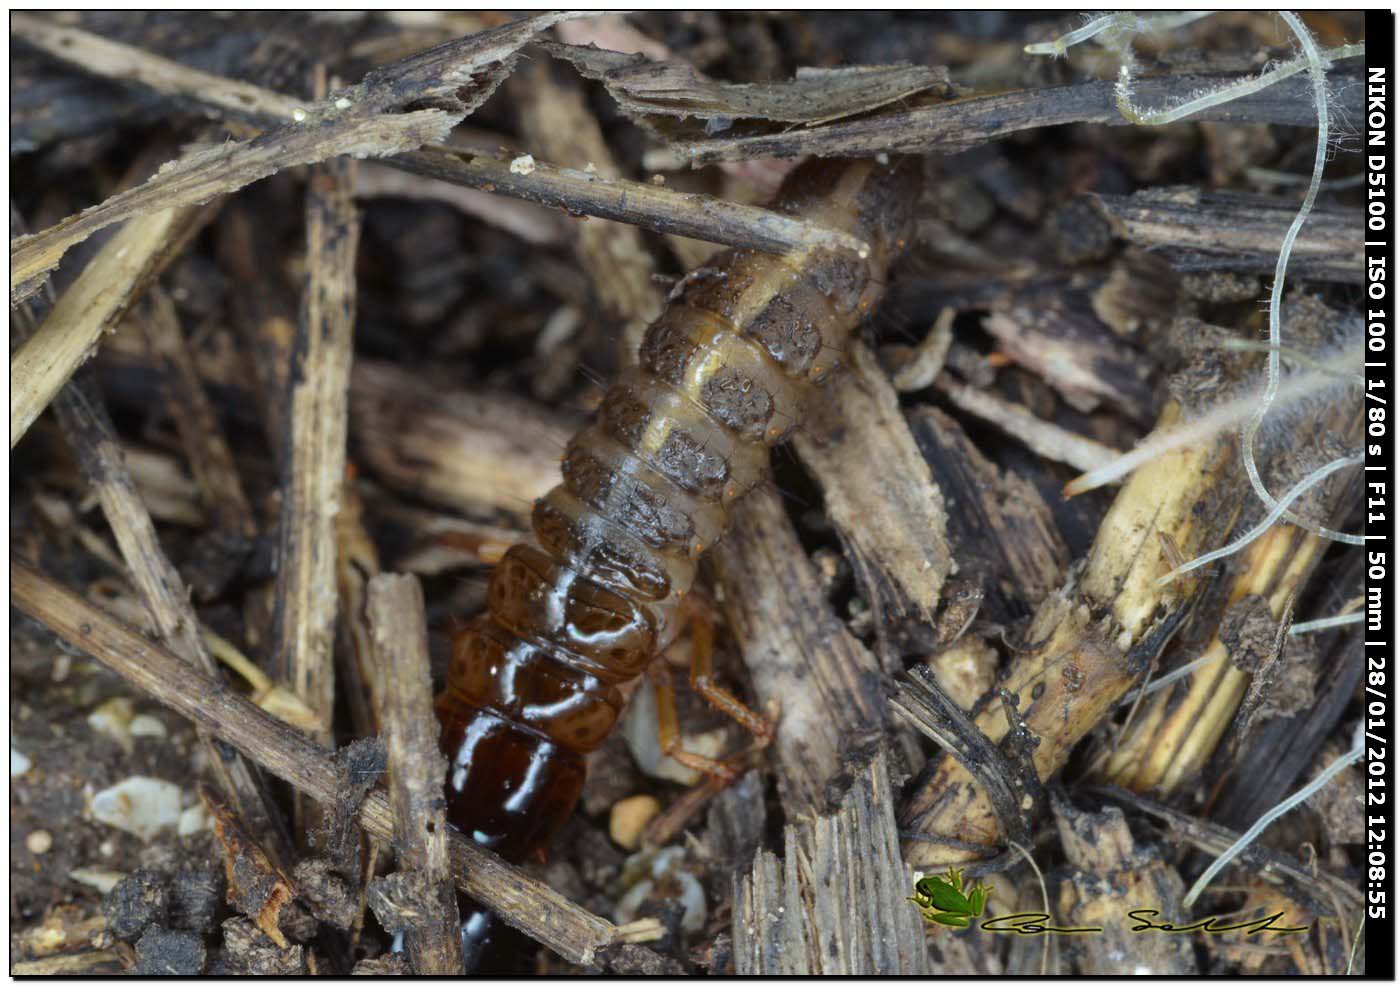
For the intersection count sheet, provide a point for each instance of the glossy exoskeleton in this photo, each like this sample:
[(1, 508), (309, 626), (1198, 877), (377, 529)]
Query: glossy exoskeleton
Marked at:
[(581, 608)]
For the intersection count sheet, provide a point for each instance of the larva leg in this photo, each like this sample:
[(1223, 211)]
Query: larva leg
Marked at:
[(702, 663), (667, 825), (484, 547), (668, 734)]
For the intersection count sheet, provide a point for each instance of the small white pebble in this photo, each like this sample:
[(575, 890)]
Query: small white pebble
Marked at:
[(112, 719), (658, 179), (19, 763), (342, 103), (101, 880), (523, 165), (144, 725), (590, 168), (298, 115), (38, 842), (882, 158), (143, 806)]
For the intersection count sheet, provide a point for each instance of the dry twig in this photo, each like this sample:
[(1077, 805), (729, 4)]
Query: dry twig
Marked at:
[(364, 120), (837, 903), (366, 125), (557, 120), (880, 495), (206, 449), (314, 450), (962, 123), (123, 269), (404, 696), (825, 684), (90, 433), (524, 902)]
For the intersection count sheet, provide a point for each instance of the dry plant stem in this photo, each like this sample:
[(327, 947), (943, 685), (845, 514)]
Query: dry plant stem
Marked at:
[(1276, 755), (1073, 353), (111, 59), (124, 267), (652, 207), (1088, 642), (266, 322), (476, 453), (671, 96), (557, 120), (224, 168), (1003, 534), (257, 886), (211, 459), (1193, 107), (524, 902), (356, 562), (962, 123), (1044, 437), (837, 903), (165, 488), (466, 450), (328, 130), (879, 493), (368, 120), (1171, 739), (1203, 231), (1012, 789), (404, 699), (314, 451), (161, 588), (1305, 484), (825, 684), (93, 439), (532, 224), (1175, 733), (1318, 888)]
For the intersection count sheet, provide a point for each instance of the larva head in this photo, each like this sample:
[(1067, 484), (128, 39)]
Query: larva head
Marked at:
[(870, 199), (884, 207)]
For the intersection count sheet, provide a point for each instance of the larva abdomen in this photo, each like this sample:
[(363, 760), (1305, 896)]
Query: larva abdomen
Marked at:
[(724, 373)]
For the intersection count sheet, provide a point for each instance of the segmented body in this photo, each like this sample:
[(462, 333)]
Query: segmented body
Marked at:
[(584, 606)]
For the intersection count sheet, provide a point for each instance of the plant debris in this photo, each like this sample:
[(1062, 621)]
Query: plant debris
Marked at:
[(1053, 602)]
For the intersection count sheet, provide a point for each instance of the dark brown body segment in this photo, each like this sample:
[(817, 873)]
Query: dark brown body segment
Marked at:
[(724, 374)]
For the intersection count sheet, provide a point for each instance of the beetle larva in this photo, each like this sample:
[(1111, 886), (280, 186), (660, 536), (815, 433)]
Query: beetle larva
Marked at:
[(583, 607)]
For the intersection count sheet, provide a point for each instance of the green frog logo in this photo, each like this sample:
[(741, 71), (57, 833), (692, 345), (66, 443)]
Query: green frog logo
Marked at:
[(941, 900)]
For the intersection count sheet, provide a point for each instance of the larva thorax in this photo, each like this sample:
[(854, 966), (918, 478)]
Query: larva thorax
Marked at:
[(723, 375)]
